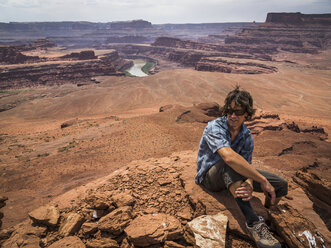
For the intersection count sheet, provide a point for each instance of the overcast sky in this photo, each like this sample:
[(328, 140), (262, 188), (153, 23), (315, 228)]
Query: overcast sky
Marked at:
[(155, 11)]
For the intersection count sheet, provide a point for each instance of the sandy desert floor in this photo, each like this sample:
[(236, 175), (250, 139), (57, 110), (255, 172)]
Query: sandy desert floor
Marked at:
[(118, 121)]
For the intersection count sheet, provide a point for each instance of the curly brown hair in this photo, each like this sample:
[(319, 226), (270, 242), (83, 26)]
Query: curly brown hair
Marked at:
[(241, 98)]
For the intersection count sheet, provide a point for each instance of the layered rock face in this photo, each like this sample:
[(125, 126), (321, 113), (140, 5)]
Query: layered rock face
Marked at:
[(204, 56), (289, 32), (11, 55), (293, 32), (299, 19), (83, 55), (77, 72)]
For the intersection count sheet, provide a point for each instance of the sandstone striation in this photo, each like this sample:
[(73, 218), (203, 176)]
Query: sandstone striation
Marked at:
[(295, 229), (299, 19), (11, 55), (78, 72), (292, 32), (83, 55)]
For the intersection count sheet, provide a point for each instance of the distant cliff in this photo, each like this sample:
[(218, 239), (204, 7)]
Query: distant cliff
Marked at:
[(131, 24), (67, 26), (299, 19)]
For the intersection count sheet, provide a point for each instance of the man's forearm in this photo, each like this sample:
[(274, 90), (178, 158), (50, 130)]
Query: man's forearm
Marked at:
[(240, 165)]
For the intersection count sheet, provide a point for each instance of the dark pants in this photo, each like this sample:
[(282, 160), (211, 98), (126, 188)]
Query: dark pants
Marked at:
[(220, 176)]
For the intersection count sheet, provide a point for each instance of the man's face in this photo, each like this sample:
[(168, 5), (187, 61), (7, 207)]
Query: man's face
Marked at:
[(235, 116)]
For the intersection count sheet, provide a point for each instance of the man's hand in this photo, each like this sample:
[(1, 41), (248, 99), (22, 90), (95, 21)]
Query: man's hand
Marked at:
[(245, 191), (269, 190)]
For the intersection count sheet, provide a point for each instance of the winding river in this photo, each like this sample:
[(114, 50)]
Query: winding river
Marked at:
[(136, 68)]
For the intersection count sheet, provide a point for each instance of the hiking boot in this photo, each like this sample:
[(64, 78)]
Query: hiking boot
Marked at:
[(262, 237)]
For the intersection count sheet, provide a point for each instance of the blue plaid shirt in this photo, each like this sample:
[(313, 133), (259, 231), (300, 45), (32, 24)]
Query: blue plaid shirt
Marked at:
[(216, 136)]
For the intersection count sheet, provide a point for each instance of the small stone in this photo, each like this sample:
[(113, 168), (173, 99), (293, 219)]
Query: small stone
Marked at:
[(185, 214), (123, 199), (71, 224), (164, 181), (98, 201), (70, 242), (116, 221)]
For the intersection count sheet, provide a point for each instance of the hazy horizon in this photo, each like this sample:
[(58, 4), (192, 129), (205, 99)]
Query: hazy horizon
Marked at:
[(160, 12)]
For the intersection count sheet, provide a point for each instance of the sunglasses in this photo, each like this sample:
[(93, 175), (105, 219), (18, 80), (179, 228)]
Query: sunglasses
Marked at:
[(238, 112)]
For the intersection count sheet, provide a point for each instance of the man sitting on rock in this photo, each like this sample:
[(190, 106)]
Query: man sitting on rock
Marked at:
[(224, 162)]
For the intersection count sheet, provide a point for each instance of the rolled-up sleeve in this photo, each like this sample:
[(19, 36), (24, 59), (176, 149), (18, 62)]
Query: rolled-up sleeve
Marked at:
[(216, 138)]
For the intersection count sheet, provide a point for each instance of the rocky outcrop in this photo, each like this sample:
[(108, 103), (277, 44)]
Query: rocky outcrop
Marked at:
[(295, 229), (75, 72), (315, 180), (222, 65), (201, 56), (299, 19), (11, 55), (202, 112), (292, 32), (136, 24), (156, 202), (83, 55), (192, 45)]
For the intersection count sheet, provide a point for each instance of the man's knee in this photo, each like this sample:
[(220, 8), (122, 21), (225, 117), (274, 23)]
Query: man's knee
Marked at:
[(282, 188), (232, 188)]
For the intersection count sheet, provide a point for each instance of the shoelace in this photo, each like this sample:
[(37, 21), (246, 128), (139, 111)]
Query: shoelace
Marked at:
[(263, 230)]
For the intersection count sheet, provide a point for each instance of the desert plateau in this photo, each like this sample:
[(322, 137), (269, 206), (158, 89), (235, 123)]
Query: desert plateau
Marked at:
[(93, 156)]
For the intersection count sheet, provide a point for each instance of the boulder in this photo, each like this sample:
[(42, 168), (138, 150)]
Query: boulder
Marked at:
[(295, 229), (71, 224), (116, 221), (70, 242), (208, 231), (102, 243), (152, 229), (45, 215)]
